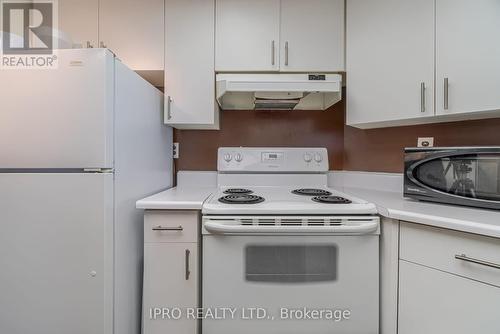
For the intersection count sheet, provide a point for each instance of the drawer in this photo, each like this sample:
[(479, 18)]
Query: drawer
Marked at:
[(435, 302), (437, 248), (171, 226)]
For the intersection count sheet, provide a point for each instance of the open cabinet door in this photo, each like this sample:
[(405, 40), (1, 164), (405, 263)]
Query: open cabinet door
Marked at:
[(56, 253)]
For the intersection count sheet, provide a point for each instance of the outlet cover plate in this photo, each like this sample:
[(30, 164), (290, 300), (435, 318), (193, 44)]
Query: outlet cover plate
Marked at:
[(175, 151), (425, 142)]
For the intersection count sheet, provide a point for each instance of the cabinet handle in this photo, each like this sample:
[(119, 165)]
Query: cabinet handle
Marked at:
[(286, 53), (446, 93), (465, 258), (169, 112), (89, 46), (102, 45), (422, 97), (161, 228), (187, 264), (272, 53)]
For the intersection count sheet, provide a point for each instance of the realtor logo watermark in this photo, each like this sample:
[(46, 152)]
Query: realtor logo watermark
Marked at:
[(28, 40)]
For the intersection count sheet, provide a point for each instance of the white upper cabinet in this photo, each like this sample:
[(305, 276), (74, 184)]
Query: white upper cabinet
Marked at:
[(390, 61), (411, 62), (78, 22), (134, 31), (312, 35), (247, 35), (467, 56), (189, 64), (279, 35)]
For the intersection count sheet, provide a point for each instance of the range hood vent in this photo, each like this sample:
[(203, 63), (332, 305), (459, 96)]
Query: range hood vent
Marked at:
[(278, 91)]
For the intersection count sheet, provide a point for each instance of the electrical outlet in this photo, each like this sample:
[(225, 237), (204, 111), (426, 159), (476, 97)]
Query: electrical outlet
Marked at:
[(425, 142), (175, 152)]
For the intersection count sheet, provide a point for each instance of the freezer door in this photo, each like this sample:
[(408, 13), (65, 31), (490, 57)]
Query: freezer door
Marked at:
[(59, 118), (56, 246)]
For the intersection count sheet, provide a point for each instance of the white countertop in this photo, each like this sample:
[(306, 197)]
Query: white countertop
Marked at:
[(178, 198), (393, 205)]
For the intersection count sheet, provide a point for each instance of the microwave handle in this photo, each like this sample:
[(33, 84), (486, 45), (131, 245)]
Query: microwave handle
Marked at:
[(225, 228)]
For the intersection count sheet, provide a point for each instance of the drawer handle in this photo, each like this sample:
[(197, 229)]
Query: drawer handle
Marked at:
[(465, 258), (188, 272), (161, 228)]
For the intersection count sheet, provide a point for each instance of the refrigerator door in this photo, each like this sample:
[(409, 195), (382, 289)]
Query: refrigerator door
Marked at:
[(56, 253), (59, 118)]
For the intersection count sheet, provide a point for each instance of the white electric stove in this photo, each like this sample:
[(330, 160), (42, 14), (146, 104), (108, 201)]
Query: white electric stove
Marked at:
[(277, 239), (292, 199)]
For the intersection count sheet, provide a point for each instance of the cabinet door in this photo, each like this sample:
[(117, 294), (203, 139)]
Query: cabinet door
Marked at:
[(166, 285), (134, 31), (78, 20), (390, 61), (189, 64), (467, 54), (247, 35), (435, 302), (312, 35)]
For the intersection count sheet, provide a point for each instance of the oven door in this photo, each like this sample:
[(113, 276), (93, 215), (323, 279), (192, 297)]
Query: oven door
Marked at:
[(457, 176), (305, 283)]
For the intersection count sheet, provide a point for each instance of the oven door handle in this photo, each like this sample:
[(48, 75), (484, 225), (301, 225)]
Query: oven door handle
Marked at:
[(231, 228)]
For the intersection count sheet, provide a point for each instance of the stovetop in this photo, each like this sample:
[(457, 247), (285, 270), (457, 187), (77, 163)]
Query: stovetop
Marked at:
[(273, 200)]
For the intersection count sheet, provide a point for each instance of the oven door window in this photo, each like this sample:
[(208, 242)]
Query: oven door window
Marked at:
[(291, 263), (472, 176)]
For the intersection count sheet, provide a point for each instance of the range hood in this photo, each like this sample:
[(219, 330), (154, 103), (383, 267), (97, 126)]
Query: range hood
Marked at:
[(278, 91)]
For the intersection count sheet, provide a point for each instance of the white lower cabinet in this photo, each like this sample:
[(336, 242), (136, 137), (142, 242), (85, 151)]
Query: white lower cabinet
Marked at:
[(435, 302), (389, 264), (449, 282), (171, 272)]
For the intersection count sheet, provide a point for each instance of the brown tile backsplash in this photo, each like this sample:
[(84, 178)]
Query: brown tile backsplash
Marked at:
[(377, 150)]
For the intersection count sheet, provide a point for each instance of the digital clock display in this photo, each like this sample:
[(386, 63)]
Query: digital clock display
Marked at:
[(272, 156)]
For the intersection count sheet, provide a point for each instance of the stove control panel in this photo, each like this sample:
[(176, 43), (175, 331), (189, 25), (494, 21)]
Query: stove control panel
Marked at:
[(272, 160)]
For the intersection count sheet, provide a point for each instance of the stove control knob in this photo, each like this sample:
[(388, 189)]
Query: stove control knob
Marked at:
[(308, 157), (318, 158), (238, 157), (227, 157)]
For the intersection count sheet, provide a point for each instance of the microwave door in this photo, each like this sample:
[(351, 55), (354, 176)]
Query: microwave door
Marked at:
[(434, 174), (463, 178), (471, 178), (488, 178)]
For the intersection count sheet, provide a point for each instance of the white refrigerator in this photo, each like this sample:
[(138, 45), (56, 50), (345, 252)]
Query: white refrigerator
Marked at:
[(79, 145)]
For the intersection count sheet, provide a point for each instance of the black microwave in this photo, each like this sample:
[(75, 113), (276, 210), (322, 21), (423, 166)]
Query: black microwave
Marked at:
[(468, 176)]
